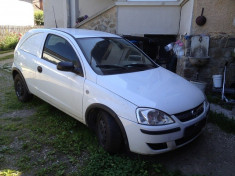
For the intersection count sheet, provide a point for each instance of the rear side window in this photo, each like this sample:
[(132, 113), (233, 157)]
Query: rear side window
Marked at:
[(33, 44), (57, 49)]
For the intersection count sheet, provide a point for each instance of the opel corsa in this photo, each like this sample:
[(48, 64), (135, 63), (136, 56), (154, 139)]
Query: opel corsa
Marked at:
[(107, 83)]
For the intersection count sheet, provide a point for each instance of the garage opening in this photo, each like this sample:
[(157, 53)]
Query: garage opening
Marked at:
[(153, 46)]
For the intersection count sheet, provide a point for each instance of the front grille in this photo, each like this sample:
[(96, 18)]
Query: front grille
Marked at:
[(190, 114), (157, 146), (191, 132)]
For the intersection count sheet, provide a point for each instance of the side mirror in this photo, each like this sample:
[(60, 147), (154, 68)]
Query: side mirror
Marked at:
[(69, 66), (65, 66)]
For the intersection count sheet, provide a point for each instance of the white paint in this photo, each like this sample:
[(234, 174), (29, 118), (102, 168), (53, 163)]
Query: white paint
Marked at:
[(139, 145), (139, 20), (16, 13), (186, 18), (156, 88), (33, 44)]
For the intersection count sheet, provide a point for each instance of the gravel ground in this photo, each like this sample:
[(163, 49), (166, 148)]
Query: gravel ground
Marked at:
[(213, 153)]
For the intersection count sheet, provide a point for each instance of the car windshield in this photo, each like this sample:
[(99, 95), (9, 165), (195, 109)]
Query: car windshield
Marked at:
[(114, 56)]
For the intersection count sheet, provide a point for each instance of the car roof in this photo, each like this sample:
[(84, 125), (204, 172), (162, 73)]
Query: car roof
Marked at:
[(78, 33)]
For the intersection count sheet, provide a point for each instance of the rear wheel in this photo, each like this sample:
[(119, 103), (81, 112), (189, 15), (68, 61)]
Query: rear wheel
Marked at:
[(108, 132), (21, 89)]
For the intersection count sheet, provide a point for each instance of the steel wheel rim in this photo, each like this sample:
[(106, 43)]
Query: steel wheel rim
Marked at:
[(102, 131), (19, 89)]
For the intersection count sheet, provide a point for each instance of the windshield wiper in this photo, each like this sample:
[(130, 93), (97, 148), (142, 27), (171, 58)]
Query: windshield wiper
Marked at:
[(139, 65), (110, 66)]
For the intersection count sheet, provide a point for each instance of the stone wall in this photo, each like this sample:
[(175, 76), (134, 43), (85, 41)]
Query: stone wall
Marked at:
[(220, 15), (104, 21), (220, 50)]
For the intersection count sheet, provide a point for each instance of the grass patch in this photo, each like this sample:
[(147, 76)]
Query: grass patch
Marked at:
[(6, 150), (54, 169), (12, 127), (60, 130), (11, 56), (100, 163), (24, 163), (11, 103), (8, 51), (4, 139), (226, 124), (16, 119), (2, 159)]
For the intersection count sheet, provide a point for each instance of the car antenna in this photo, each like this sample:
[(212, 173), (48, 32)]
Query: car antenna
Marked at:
[(54, 17)]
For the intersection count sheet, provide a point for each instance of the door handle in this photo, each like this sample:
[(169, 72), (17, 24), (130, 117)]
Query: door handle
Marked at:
[(39, 68)]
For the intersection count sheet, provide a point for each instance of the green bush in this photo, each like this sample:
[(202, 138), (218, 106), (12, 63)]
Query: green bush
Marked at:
[(9, 41), (38, 17)]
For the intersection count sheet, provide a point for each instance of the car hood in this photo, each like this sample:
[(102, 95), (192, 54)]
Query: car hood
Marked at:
[(156, 88)]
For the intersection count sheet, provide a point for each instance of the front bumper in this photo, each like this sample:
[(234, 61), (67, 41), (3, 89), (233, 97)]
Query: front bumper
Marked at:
[(149, 140)]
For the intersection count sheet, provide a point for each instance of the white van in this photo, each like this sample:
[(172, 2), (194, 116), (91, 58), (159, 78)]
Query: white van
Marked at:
[(110, 85)]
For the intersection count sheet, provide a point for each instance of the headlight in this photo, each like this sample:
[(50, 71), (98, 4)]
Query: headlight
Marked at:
[(153, 117)]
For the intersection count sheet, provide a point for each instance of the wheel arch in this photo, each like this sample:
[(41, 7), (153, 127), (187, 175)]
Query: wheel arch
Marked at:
[(90, 119), (16, 71)]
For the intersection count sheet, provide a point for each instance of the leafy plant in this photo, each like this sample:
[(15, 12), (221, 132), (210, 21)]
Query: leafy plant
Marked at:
[(38, 17), (102, 163), (9, 41), (9, 172)]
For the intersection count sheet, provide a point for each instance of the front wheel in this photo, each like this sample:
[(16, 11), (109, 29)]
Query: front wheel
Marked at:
[(21, 89), (108, 132)]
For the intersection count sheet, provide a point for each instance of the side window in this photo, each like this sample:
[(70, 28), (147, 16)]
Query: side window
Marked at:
[(32, 44), (57, 49)]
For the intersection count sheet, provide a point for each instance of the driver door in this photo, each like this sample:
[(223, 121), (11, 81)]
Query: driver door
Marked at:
[(62, 89)]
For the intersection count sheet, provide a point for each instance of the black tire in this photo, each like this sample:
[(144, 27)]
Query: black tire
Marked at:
[(108, 133), (21, 89)]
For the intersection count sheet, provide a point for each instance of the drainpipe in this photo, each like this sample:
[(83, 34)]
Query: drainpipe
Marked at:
[(68, 10), (72, 12)]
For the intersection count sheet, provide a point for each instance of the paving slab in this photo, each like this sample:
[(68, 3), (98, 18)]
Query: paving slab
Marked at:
[(218, 109), (6, 54)]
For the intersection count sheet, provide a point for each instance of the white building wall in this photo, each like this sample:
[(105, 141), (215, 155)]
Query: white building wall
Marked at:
[(186, 17), (140, 20), (59, 15), (16, 13), (91, 7)]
